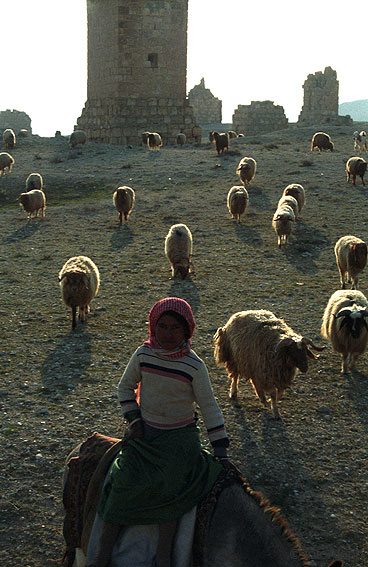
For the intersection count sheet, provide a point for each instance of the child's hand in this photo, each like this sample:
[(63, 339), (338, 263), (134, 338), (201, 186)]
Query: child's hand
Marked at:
[(135, 431)]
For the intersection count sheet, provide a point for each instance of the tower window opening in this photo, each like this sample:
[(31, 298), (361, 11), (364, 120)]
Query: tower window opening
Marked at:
[(153, 59)]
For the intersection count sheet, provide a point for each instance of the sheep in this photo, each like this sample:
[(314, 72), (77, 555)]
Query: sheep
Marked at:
[(237, 201), (282, 223), (9, 138), (221, 141), (232, 134), (23, 133), (356, 166), (260, 347), (291, 201), (351, 259), (6, 162), (34, 181), (144, 136), (78, 137), (154, 141), (297, 191), (33, 201), (246, 170), (322, 141), (79, 280), (349, 336), (181, 139), (178, 249), (360, 141), (123, 199)]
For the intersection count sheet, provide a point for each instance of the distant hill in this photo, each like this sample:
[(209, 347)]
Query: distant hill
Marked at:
[(358, 110)]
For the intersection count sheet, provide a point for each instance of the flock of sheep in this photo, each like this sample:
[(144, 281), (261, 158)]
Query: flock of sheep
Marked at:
[(255, 344)]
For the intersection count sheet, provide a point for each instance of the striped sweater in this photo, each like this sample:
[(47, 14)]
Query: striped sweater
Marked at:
[(169, 390)]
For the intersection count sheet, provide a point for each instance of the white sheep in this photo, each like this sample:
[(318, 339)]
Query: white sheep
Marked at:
[(144, 136), (34, 181), (260, 347), (344, 325), (237, 201), (79, 282), (78, 137), (356, 166), (154, 141), (351, 259), (178, 249), (9, 138), (123, 199), (6, 162), (33, 201), (360, 141), (282, 223), (291, 201), (181, 139), (23, 133), (246, 170), (297, 191)]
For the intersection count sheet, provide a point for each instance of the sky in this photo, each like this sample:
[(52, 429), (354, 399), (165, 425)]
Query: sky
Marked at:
[(245, 50)]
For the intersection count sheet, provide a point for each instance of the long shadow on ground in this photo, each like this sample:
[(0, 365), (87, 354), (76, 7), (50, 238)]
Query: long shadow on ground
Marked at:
[(121, 238), (305, 247), (186, 289), (26, 231)]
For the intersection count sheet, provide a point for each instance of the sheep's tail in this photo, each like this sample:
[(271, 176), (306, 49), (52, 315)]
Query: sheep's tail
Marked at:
[(222, 346)]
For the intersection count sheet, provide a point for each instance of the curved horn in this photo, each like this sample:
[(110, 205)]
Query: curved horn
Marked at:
[(308, 342)]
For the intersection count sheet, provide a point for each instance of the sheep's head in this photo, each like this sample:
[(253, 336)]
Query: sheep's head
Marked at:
[(75, 279), (353, 319), (297, 351), (359, 253)]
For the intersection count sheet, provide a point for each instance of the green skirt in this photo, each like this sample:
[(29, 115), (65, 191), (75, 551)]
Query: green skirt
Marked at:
[(153, 482)]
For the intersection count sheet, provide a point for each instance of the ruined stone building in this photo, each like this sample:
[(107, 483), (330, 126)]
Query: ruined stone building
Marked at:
[(207, 108), (137, 61), (16, 120), (259, 117), (321, 97)]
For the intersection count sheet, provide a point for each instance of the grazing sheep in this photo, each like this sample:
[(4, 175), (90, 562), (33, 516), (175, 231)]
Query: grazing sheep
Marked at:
[(34, 181), (181, 139), (351, 259), (237, 201), (144, 136), (258, 346), (360, 141), (123, 199), (344, 325), (296, 191), (240, 135), (246, 170), (79, 282), (178, 249), (221, 141), (154, 141), (322, 141), (6, 162), (356, 166), (23, 133), (232, 134), (33, 201), (9, 138), (291, 201), (78, 137), (282, 223)]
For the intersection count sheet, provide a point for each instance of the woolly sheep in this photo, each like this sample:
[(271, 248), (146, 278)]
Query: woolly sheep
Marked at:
[(322, 141), (145, 137), (9, 138), (154, 141), (291, 201), (237, 201), (6, 162), (351, 259), (221, 141), (33, 201), (23, 133), (282, 223), (181, 139), (260, 347), (79, 281), (178, 249), (232, 134), (356, 166), (123, 199), (360, 141), (246, 170), (344, 325), (34, 181), (297, 191), (78, 137)]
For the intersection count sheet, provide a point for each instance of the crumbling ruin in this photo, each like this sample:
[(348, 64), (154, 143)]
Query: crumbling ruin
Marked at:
[(207, 108), (259, 117), (137, 60), (16, 120)]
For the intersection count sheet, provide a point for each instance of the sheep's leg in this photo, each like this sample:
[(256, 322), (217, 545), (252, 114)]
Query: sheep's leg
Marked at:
[(120, 218), (275, 409), (362, 179), (342, 279), (353, 360), (344, 365), (74, 317), (234, 385), (260, 394)]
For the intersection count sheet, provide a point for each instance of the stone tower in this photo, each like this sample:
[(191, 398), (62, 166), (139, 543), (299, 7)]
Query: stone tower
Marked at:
[(321, 97), (137, 63), (207, 108)]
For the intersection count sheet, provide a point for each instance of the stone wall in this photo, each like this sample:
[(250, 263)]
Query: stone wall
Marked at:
[(137, 57), (259, 117), (15, 119), (207, 108), (321, 97)]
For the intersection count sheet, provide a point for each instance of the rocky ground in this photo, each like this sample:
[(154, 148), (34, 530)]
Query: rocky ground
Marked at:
[(59, 386)]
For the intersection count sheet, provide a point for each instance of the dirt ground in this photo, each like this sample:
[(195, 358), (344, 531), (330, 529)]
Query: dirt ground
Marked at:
[(59, 386)]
